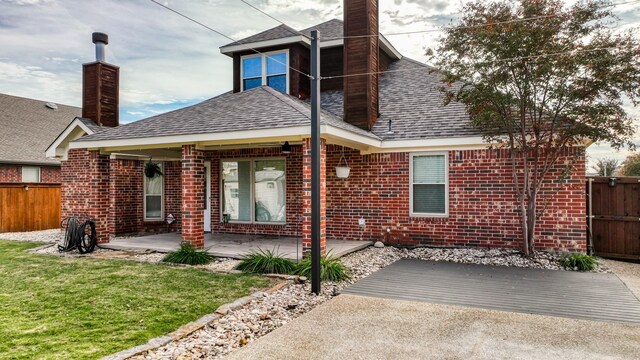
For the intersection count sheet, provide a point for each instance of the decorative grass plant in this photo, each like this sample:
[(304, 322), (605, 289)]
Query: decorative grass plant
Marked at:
[(187, 254), (331, 269), (582, 262), (266, 262)]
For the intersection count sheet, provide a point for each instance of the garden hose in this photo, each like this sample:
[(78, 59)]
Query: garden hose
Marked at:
[(80, 234)]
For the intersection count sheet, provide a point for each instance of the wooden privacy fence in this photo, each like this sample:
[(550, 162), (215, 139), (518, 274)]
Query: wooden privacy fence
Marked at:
[(614, 223), (29, 206)]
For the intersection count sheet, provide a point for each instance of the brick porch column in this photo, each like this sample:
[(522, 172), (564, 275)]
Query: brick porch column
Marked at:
[(85, 189), (193, 188), (306, 196)]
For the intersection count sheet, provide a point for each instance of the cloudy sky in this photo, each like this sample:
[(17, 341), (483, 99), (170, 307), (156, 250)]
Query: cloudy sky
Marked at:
[(167, 62)]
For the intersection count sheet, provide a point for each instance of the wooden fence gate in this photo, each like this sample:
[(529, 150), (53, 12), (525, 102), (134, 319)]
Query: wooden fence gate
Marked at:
[(614, 222), (29, 206)]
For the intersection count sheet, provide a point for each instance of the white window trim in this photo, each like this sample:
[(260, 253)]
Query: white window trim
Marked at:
[(144, 196), (263, 56), (252, 168), (31, 167), (446, 185)]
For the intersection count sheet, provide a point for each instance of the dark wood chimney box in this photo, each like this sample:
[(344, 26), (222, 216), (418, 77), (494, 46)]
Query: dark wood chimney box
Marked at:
[(100, 82), (361, 56)]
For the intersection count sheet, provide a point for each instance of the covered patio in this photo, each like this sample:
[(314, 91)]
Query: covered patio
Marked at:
[(234, 246)]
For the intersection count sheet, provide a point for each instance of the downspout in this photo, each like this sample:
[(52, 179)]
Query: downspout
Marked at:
[(590, 218)]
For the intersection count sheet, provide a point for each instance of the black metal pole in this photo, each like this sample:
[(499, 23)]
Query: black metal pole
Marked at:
[(315, 161)]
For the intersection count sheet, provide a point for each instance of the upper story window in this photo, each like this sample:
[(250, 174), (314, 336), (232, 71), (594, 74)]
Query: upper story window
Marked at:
[(266, 69)]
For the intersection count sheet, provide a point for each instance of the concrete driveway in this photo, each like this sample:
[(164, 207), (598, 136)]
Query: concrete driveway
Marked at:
[(355, 327), (358, 327)]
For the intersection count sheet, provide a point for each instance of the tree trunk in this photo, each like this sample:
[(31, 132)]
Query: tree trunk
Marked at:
[(524, 223), (531, 220)]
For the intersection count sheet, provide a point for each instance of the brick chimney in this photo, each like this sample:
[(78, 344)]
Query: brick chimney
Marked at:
[(361, 56), (100, 86)]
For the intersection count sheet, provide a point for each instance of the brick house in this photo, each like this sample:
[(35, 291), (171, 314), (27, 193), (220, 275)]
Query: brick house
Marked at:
[(28, 128), (420, 173)]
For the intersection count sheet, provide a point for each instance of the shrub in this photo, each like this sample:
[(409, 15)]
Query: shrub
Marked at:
[(582, 262), (331, 269), (187, 254), (266, 262)]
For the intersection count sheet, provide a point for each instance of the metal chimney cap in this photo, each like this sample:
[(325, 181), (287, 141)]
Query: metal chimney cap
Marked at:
[(98, 37)]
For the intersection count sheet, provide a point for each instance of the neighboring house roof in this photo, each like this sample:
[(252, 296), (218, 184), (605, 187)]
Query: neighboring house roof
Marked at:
[(28, 127), (254, 109), (414, 105)]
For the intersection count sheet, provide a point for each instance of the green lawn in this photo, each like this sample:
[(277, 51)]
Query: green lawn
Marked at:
[(53, 307)]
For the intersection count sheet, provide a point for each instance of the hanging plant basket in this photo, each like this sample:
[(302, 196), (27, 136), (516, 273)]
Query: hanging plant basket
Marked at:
[(342, 171), (152, 169)]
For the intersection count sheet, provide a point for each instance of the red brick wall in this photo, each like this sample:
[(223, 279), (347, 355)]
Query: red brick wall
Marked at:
[(172, 192), (10, 173), (13, 174), (294, 191), (126, 194), (85, 189), (482, 209)]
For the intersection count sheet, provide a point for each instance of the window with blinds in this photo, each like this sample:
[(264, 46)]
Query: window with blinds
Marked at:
[(429, 184)]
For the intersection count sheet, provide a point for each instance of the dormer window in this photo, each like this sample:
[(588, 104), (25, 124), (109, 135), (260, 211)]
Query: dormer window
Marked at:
[(266, 69)]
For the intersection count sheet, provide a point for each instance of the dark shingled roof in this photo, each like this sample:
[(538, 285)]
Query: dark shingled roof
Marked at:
[(92, 125), (28, 127), (328, 29), (278, 32), (259, 108), (411, 100)]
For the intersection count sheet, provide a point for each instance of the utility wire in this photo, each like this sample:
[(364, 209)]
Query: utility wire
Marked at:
[(227, 36), (266, 13), (470, 26), (426, 67)]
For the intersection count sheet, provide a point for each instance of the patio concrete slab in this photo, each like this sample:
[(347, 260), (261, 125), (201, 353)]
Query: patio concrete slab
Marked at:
[(590, 296), (233, 245)]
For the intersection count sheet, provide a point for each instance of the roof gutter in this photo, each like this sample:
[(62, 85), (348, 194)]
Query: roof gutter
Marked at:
[(29, 162)]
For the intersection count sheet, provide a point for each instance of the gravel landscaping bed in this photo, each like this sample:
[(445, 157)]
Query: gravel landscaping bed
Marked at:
[(44, 236), (264, 314)]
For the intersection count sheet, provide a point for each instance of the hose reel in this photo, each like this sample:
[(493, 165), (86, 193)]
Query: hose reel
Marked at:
[(80, 234)]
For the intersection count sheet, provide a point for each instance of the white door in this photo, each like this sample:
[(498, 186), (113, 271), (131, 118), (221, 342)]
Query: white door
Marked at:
[(207, 196)]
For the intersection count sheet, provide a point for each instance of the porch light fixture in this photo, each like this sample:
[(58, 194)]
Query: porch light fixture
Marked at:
[(612, 182), (286, 148)]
